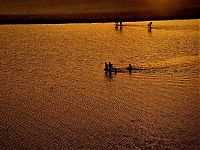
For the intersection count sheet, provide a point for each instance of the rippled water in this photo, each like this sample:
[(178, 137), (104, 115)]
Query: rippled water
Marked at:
[(55, 95)]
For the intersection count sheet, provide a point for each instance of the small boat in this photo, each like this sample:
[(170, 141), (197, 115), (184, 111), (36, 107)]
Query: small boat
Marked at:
[(113, 70), (120, 69), (109, 68)]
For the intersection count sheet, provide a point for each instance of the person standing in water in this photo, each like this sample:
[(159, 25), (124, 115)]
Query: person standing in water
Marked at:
[(110, 66), (106, 66), (150, 24), (121, 22), (130, 67)]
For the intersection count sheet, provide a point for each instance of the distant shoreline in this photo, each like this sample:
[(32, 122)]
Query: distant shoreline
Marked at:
[(88, 18)]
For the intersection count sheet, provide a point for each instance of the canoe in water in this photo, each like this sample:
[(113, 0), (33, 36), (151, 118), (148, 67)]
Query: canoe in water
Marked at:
[(119, 69)]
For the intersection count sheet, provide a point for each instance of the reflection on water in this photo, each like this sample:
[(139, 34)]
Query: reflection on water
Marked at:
[(55, 94), (149, 30), (109, 75), (119, 28)]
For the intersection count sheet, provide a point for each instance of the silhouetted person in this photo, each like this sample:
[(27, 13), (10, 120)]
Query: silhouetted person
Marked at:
[(150, 24), (120, 22), (130, 67), (110, 66), (106, 67)]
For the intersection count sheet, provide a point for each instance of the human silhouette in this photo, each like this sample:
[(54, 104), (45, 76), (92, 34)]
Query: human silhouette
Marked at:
[(130, 67), (106, 67), (150, 24), (110, 66), (120, 22)]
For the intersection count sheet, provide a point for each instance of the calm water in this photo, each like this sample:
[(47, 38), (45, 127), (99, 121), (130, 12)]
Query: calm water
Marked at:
[(55, 95)]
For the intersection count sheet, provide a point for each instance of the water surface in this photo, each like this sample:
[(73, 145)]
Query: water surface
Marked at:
[(55, 95)]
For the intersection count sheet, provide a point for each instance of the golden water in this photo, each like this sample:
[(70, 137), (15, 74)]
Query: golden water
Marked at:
[(55, 95)]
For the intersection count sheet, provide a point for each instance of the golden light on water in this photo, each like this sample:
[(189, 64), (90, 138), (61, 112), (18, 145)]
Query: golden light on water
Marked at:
[(55, 93)]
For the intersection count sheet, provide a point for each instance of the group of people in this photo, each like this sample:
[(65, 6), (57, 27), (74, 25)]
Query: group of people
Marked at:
[(118, 22), (109, 67)]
